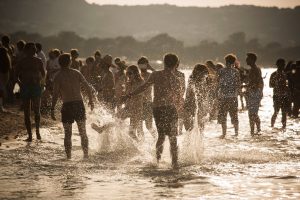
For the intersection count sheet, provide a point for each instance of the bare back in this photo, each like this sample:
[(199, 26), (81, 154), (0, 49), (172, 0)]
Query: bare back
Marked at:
[(30, 71), (166, 88)]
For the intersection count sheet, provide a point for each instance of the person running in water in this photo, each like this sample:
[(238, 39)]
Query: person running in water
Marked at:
[(254, 92), (228, 91), (133, 106), (281, 94), (144, 66), (166, 96), (197, 97), (67, 84), (30, 73)]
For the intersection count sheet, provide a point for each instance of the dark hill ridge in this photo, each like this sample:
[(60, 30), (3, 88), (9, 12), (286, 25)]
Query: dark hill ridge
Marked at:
[(189, 24)]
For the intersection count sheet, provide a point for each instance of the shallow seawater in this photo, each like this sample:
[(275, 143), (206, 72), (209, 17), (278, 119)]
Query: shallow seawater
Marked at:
[(263, 167)]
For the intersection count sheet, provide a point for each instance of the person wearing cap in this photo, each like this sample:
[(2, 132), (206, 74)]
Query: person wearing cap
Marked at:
[(281, 94), (143, 64), (30, 73), (106, 84), (67, 84)]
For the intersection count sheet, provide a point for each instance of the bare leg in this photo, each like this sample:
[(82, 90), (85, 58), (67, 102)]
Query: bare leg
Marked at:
[(26, 103), (224, 130), (84, 139), (68, 139), (159, 146), (174, 151), (274, 116), (36, 102)]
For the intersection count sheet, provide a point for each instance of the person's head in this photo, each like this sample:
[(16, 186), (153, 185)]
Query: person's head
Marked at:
[(21, 45), (97, 55), (90, 61), (220, 65), (171, 61), (280, 63), (251, 59), (30, 49), (5, 62), (107, 61), (56, 53), (74, 53), (133, 73), (199, 72), (210, 64), (5, 40), (143, 63), (38, 47), (230, 59), (64, 60)]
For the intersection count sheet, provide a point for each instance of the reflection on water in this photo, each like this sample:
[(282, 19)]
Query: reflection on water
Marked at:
[(265, 167)]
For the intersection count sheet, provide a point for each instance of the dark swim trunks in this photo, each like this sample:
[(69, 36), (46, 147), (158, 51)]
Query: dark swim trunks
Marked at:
[(73, 111), (31, 91), (166, 120)]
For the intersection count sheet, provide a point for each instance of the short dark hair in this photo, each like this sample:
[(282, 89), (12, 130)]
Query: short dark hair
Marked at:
[(230, 58), (38, 46), (280, 63), (97, 53), (170, 60), (143, 60), (21, 44), (252, 56), (90, 59), (30, 49), (64, 60), (5, 39), (117, 60), (74, 53)]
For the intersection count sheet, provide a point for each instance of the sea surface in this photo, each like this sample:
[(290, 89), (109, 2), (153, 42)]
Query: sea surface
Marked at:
[(243, 167)]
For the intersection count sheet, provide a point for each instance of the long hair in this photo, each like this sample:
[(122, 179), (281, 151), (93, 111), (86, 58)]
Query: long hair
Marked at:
[(198, 72), (136, 72), (5, 62)]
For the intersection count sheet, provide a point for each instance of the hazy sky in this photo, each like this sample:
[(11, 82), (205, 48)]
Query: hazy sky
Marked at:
[(202, 3)]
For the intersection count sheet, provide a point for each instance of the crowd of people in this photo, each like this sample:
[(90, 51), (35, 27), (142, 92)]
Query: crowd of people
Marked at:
[(140, 92)]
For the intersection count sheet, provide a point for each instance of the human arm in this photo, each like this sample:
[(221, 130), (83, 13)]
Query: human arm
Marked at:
[(88, 88), (56, 90)]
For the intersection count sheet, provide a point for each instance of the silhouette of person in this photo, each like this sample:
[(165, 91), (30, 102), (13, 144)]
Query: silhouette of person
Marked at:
[(5, 66), (228, 90), (281, 94), (67, 84), (254, 92), (166, 96), (197, 97), (30, 73), (134, 106), (106, 84), (75, 63), (144, 66)]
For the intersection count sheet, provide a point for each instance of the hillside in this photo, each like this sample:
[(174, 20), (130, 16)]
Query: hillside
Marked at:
[(188, 24)]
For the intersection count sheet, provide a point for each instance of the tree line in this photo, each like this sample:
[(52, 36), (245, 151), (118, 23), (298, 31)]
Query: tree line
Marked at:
[(155, 47)]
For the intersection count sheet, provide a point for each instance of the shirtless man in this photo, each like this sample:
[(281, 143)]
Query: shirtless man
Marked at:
[(254, 92), (67, 84), (166, 95), (30, 72)]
